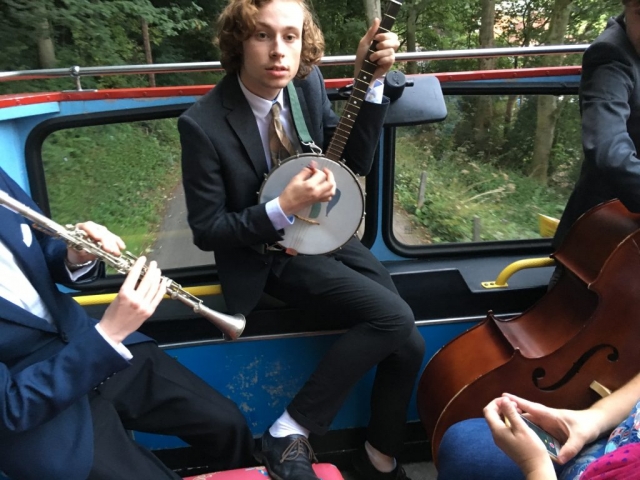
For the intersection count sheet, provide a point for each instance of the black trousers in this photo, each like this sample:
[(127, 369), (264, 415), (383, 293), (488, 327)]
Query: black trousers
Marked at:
[(157, 394), (354, 286)]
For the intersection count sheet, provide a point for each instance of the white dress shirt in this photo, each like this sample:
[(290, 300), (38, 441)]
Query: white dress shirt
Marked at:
[(16, 288)]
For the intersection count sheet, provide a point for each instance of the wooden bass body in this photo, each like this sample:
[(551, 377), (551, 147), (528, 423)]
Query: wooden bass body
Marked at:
[(583, 334)]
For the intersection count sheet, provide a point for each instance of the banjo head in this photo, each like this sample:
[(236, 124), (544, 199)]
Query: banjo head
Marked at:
[(337, 220)]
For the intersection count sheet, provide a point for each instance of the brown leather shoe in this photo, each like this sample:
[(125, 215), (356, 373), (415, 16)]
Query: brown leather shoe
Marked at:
[(288, 458), (365, 470)]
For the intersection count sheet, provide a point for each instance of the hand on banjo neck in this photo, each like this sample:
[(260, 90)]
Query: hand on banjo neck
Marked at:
[(320, 191)]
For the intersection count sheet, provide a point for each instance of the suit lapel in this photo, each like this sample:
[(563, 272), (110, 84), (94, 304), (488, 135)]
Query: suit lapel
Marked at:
[(247, 131), (16, 314), (32, 263)]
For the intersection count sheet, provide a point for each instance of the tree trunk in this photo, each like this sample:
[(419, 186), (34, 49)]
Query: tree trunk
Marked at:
[(412, 18), (508, 114), (486, 36), (484, 105), (547, 105), (372, 10), (545, 130), (147, 49), (46, 49)]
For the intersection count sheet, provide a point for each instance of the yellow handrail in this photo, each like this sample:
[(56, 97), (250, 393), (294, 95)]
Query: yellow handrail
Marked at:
[(106, 298), (509, 270)]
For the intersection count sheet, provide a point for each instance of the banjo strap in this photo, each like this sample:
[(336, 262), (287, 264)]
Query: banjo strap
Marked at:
[(298, 118)]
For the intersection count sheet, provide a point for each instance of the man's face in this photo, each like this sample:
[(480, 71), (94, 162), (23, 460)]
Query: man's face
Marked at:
[(272, 53), (632, 19)]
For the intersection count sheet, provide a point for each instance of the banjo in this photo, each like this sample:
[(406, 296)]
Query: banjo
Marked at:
[(327, 226)]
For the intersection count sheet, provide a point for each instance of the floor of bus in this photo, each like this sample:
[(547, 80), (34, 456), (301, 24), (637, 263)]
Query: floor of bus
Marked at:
[(336, 447), (415, 471)]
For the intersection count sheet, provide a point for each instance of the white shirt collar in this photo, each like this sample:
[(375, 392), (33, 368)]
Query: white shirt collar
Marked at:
[(261, 107)]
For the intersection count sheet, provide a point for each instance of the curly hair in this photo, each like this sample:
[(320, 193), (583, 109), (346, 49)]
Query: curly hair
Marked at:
[(237, 22)]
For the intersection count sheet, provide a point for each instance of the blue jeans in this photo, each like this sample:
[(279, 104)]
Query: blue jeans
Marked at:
[(467, 452)]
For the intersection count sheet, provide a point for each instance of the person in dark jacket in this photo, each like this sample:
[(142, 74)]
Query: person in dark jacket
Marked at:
[(73, 386), (610, 109), (227, 149)]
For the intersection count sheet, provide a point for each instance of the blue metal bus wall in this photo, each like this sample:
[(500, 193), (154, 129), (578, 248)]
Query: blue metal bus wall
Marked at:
[(262, 376)]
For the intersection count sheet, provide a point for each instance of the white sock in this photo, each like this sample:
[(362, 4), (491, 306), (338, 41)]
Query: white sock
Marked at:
[(382, 462), (286, 425)]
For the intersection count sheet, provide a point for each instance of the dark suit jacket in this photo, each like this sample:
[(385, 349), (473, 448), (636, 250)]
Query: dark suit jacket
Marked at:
[(610, 107), (46, 371), (223, 168)]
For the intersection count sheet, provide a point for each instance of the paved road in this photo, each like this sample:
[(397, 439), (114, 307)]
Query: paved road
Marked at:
[(174, 247)]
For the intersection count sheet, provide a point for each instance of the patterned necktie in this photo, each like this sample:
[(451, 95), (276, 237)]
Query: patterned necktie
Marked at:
[(279, 144)]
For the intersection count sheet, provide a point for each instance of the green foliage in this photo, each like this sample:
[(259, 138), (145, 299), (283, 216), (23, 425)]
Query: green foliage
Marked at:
[(461, 187), (108, 32), (90, 33), (567, 154), (117, 175), (589, 18), (518, 148)]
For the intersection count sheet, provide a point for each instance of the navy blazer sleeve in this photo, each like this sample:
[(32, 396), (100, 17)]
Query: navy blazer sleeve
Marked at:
[(44, 389), (608, 81), (41, 374)]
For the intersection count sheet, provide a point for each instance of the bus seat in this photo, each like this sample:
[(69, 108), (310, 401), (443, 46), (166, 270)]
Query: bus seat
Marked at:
[(547, 226), (325, 471)]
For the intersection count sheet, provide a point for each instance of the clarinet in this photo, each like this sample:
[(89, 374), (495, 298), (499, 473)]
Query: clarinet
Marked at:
[(231, 326)]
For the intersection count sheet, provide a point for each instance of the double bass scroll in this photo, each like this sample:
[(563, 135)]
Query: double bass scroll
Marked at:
[(585, 329)]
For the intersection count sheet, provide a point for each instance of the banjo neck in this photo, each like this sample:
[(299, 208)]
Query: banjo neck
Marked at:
[(360, 86)]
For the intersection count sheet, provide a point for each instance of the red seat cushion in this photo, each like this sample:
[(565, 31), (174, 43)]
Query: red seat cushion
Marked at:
[(325, 471)]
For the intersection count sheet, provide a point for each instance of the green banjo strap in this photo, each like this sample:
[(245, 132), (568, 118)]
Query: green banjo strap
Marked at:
[(298, 118)]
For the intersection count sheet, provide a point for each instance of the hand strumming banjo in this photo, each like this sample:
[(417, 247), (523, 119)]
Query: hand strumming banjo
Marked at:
[(325, 227)]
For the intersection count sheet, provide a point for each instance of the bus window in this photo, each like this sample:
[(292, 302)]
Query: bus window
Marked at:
[(455, 182), (127, 177)]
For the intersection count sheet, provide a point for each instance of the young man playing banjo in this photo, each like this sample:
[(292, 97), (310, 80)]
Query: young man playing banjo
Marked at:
[(228, 147)]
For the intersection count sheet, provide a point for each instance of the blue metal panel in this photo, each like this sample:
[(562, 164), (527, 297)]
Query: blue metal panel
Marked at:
[(21, 111), (15, 125), (263, 376), (12, 157), (98, 106), (379, 247)]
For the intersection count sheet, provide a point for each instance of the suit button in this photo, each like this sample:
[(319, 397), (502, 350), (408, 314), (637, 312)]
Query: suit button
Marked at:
[(64, 337)]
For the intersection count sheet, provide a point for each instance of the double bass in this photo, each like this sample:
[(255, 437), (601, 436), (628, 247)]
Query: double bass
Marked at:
[(579, 341)]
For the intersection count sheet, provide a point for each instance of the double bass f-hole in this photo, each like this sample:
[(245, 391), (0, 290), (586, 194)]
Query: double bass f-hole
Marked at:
[(539, 373)]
